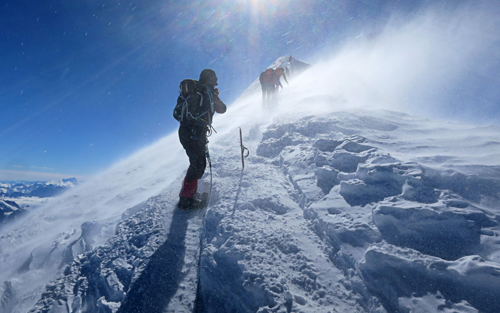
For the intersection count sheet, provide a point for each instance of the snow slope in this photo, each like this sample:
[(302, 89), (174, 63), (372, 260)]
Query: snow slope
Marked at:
[(338, 209), (35, 250)]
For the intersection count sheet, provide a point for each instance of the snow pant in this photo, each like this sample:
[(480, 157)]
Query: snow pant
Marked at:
[(194, 140), (268, 93)]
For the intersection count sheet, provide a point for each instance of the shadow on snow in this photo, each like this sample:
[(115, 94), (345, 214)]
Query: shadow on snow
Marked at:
[(159, 281)]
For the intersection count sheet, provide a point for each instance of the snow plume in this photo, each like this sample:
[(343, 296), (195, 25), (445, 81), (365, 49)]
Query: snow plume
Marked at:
[(440, 64), (436, 63), (336, 210), (39, 246)]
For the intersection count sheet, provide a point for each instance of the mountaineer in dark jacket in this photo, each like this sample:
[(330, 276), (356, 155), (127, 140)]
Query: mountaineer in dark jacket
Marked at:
[(270, 83), (193, 136)]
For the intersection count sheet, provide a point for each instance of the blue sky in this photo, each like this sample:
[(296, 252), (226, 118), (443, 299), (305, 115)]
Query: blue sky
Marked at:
[(86, 83)]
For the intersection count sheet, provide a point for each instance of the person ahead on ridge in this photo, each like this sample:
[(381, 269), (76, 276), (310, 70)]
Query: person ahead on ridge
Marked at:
[(193, 132), (278, 73), (270, 82)]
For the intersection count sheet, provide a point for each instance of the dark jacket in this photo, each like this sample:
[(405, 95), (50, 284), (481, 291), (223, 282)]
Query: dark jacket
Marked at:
[(211, 96), (193, 134)]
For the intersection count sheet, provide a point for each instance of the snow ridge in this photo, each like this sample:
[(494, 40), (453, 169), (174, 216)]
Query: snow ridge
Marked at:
[(322, 219), (335, 211), (128, 272)]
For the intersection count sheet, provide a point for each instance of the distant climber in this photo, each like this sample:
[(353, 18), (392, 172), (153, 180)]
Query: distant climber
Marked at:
[(266, 79), (280, 72), (288, 67), (270, 82), (196, 105), (295, 67)]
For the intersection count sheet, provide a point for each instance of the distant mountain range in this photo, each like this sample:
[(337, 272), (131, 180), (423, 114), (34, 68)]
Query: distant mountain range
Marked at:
[(40, 189), (9, 211)]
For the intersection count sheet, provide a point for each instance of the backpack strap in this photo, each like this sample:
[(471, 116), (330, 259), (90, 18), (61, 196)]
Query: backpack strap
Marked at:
[(185, 107), (211, 97), (191, 88)]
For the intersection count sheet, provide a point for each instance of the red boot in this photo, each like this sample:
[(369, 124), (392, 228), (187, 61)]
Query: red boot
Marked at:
[(189, 188), (187, 199)]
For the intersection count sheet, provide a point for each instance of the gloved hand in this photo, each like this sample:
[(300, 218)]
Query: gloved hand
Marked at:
[(216, 91)]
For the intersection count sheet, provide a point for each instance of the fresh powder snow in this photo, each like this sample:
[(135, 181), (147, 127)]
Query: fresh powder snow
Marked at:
[(341, 207)]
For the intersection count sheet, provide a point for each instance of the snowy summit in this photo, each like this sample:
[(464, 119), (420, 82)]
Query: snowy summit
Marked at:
[(340, 208)]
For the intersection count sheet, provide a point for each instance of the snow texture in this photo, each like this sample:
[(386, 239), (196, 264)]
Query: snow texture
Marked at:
[(349, 210)]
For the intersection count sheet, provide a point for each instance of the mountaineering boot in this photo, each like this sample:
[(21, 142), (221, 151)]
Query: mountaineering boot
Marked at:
[(198, 201), (188, 199), (189, 203), (189, 188)]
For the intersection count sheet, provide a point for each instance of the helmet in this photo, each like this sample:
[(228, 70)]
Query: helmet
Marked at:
[(208, 77)]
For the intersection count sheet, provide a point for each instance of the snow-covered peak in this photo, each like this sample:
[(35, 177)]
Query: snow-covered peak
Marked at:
[(8, 206), (10, 211)]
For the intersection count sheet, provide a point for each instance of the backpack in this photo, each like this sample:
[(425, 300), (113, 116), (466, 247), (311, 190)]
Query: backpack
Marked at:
[(189, 108), (267, 76)]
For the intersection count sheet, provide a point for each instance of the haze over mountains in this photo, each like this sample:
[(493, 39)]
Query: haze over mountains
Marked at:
[(35, 189)]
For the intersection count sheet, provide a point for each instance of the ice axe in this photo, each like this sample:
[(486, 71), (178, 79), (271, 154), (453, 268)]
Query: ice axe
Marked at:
[(243, 149)]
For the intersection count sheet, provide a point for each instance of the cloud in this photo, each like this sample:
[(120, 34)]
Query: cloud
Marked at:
[(6, 175)]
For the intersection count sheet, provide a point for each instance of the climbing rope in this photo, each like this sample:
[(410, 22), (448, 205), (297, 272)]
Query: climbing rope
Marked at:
[(197, 303)]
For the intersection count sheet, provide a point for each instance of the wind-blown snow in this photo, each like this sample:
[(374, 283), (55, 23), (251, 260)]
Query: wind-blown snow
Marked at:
[(340, 208), (37, 248), (353, 210)]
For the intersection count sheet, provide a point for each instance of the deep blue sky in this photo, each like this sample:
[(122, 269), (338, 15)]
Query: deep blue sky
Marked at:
[(85, 83)]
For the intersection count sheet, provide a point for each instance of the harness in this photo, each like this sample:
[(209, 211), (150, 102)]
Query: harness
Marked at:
[(268, 76)]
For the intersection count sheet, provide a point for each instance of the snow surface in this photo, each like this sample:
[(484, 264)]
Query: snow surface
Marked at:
[(338, 209)]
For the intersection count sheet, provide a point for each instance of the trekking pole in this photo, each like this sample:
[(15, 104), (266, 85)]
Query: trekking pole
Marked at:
[(243, 149)]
